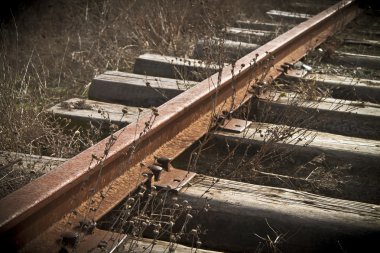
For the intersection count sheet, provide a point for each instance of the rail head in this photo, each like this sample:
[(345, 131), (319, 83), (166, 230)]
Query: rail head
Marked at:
[(30, 211)]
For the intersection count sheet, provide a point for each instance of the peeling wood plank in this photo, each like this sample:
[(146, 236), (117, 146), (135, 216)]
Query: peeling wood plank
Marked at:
[(294, 158), (310, 7), (162, 246), (29, 162), (339, 146), (364, 42), (174, 67), (110, 242), (288, 16), (135, 90), (339, 86), (18, 169), (369, 32), (226, 48), (352, 118), (256, 25), (249, 35), (83, 111), (298, 221), (355, 60)]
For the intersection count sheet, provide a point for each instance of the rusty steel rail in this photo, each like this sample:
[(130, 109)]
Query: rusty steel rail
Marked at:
[(93, 182)]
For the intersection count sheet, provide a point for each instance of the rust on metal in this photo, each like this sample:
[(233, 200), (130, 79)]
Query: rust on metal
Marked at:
[(94, 181), (156, 170), (297, 72), (236, 125), (175, 179)]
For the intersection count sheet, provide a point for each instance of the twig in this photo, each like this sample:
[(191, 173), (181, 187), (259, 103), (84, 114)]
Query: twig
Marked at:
[(11, 163), (280, 176), (63, 60)]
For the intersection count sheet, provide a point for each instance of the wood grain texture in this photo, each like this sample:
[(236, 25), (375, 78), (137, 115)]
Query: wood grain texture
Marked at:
[(229, 49), (18, 169), (135, 90), (364, 42), (351, 118), (29, 162), (249, 35), (84, 111), (341, 87), (243, 217), (110, 241), (287, 16), (173, 67), (256, 25), (356, 60), (349, 148)]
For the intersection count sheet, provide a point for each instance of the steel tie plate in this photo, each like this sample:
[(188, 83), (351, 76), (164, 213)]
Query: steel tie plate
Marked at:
[(236, 125), (175, 179)]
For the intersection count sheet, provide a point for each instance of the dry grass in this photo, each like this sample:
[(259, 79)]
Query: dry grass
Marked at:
[(51, 51)]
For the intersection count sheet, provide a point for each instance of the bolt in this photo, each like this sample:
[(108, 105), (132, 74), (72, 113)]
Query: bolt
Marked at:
[(156, 171), (148, 183), (163, 161), (285, 68)]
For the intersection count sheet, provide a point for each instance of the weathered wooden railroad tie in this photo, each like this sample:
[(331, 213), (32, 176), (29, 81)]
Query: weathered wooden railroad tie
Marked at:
[(287, 155)]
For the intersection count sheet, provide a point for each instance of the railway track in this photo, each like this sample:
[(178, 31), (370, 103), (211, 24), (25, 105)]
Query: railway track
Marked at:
[(140, 182)]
